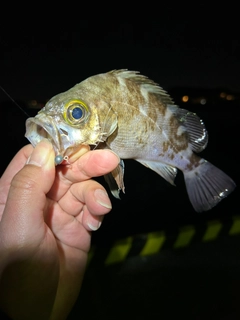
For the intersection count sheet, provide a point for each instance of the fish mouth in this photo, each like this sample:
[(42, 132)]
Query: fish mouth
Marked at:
[(41, 127)]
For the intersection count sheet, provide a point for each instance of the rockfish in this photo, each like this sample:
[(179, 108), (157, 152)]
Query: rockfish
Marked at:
[(133, 116)]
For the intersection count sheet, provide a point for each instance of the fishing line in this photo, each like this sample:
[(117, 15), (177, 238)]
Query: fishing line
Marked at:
[(14, 102)]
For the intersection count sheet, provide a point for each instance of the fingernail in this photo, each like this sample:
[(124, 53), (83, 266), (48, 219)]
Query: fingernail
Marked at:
[(81, 151), (41, 154), (102, 198), (95, 224)]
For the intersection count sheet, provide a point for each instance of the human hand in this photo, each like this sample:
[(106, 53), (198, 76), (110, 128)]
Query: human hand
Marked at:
[(47, 215)]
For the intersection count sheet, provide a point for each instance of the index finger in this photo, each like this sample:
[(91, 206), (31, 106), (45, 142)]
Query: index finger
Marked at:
[(91, 164), (94, 163)]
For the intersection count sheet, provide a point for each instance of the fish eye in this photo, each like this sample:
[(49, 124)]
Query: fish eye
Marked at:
[(75, 112)]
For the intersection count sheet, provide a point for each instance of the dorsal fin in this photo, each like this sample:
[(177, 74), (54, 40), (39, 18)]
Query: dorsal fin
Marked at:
[(145, 82)]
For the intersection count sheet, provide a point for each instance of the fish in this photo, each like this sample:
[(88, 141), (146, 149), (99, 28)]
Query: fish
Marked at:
[(132, 115)]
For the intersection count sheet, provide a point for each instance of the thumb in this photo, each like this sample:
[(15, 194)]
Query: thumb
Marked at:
[(23, 213)]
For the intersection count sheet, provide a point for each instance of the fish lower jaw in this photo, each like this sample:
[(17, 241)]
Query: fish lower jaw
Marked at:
[(36, 132), (35, 139)]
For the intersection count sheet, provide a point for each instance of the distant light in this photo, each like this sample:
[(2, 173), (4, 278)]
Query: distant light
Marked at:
[(230, 97), (33, 103), (223, 95), (185, 98), (203, 101)]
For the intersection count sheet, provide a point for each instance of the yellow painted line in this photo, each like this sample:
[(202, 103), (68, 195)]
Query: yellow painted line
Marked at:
[(213, 229), (119, 251), (156, 240), (184, 237), (235, 229), (153, 244)]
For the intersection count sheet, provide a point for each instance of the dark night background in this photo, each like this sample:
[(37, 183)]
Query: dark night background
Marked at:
[(192, 51)]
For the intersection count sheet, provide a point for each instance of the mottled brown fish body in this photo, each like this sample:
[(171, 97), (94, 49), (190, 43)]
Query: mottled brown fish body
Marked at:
[(153, 133), (130, 114)]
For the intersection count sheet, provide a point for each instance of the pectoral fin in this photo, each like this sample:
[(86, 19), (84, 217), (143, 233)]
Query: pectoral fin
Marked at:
[(115, 181), (197, 133), (167, 172), (108, 119)]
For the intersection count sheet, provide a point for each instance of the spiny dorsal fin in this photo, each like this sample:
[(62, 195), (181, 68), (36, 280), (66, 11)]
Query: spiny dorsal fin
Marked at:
[(145, 82)]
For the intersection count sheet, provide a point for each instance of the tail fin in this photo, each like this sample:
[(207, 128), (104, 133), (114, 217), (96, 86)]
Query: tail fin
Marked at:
[(207, 186)]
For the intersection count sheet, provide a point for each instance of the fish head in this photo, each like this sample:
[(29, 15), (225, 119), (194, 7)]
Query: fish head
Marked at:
[(69, 123)]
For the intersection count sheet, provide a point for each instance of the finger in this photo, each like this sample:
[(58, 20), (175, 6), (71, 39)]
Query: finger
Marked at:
[(78, 153), (92, 164), (27, 193), (88, 192), (15, 165), (89, 221), (88, 200), (97, 204)]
